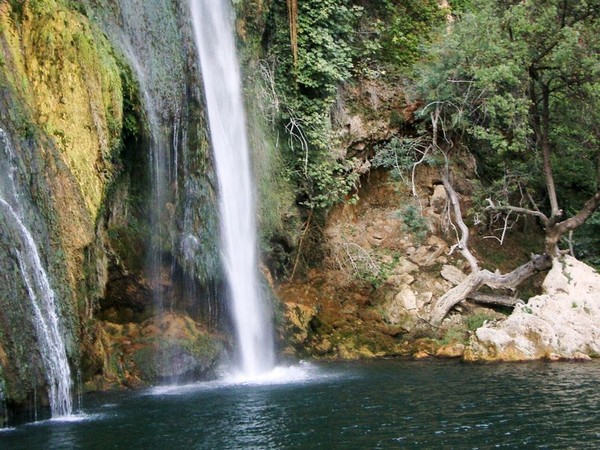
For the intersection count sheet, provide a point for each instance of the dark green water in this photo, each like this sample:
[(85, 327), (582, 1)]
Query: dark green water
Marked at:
[(363, 405)]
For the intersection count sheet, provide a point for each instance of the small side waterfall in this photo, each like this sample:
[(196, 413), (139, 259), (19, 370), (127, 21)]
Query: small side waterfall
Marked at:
[(45, 310), (159, 170), (213, 28)]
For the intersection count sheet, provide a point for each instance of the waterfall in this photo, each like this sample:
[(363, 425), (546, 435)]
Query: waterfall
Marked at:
[(45, 310), (159, 171), (215, 41)]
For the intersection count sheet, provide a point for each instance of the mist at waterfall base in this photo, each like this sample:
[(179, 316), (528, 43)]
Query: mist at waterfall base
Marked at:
[(369, 404), (215, 41)]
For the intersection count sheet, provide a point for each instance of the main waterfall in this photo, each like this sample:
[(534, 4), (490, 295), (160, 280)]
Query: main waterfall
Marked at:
[(215, 41)]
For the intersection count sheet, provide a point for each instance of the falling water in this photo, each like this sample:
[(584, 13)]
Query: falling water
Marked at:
[(45, 315), (159, 164), (213, 28)]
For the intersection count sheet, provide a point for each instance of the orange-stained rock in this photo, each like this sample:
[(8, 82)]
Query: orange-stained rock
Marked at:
[(451, 350)]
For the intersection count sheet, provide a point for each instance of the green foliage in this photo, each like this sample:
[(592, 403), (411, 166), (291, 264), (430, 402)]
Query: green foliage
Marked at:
[(459, 7), (397, 155), (133, 112), (392, 34), (306, 92), (400, 154), (514, 80), (414, 222), (586, 241), (384, 271), (17, 9), (408, 27), (325, 41), (330, 183), (335, 40), (455, 333)]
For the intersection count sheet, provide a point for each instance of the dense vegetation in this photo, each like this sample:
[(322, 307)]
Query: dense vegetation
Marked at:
[(515, 84)]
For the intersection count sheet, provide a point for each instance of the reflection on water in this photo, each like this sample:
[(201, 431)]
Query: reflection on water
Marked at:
[(379, 404), (254, 421)]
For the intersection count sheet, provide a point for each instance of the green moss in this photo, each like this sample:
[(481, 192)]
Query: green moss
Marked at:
[(188, 357), (477, 320), (456, 333), (129, 244)]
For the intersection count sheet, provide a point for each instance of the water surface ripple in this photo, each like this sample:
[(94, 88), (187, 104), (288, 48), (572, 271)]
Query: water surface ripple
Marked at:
[(358, 405)]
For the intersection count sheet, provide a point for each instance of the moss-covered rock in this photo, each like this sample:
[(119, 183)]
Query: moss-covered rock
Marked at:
[(168, 348), (68, 74), (62, 103)]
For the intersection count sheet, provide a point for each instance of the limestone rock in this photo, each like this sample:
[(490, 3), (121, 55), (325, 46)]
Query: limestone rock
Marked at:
[(348, 351), (402, 306), (438, 199), (581, 356), (323, 347), (424, 298), (424, 347), (171, 346), (563, 323), (297, 321), (451, 350), (428, 254), (405, 266), (403, 279), (406, 298), (452, 274)]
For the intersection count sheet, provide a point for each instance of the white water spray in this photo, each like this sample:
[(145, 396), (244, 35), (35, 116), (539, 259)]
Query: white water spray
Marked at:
[(213, 28), (45, 315)]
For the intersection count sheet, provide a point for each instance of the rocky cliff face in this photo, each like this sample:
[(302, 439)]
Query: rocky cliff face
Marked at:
[(79, 113), (62, 110), (386, 257)]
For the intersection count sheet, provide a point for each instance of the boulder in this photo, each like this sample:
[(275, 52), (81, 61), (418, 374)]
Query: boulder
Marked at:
[(562, 323), (169, 347), (401, 308), (452, 274), (451, 350), (438, 199), (428, 254)]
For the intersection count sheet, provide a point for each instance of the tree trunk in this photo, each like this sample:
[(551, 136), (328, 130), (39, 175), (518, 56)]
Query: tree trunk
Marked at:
[(493, 280), (546, 151), (292, 6), (488, 299), (555, 231)]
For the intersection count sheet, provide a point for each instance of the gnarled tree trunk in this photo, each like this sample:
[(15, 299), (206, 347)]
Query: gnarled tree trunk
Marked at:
[(484, 277), (480, 277)]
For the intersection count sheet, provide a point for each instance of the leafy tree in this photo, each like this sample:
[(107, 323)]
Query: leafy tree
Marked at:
[(519, 83)]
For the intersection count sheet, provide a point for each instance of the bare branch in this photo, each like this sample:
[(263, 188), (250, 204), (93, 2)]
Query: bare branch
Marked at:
[(463, 242), (504, 228), (516, 209), (299, 250), (294, 129), (554, 231)]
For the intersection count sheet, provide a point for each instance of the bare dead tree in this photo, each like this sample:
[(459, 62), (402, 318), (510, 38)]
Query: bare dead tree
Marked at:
[(478, 277)]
